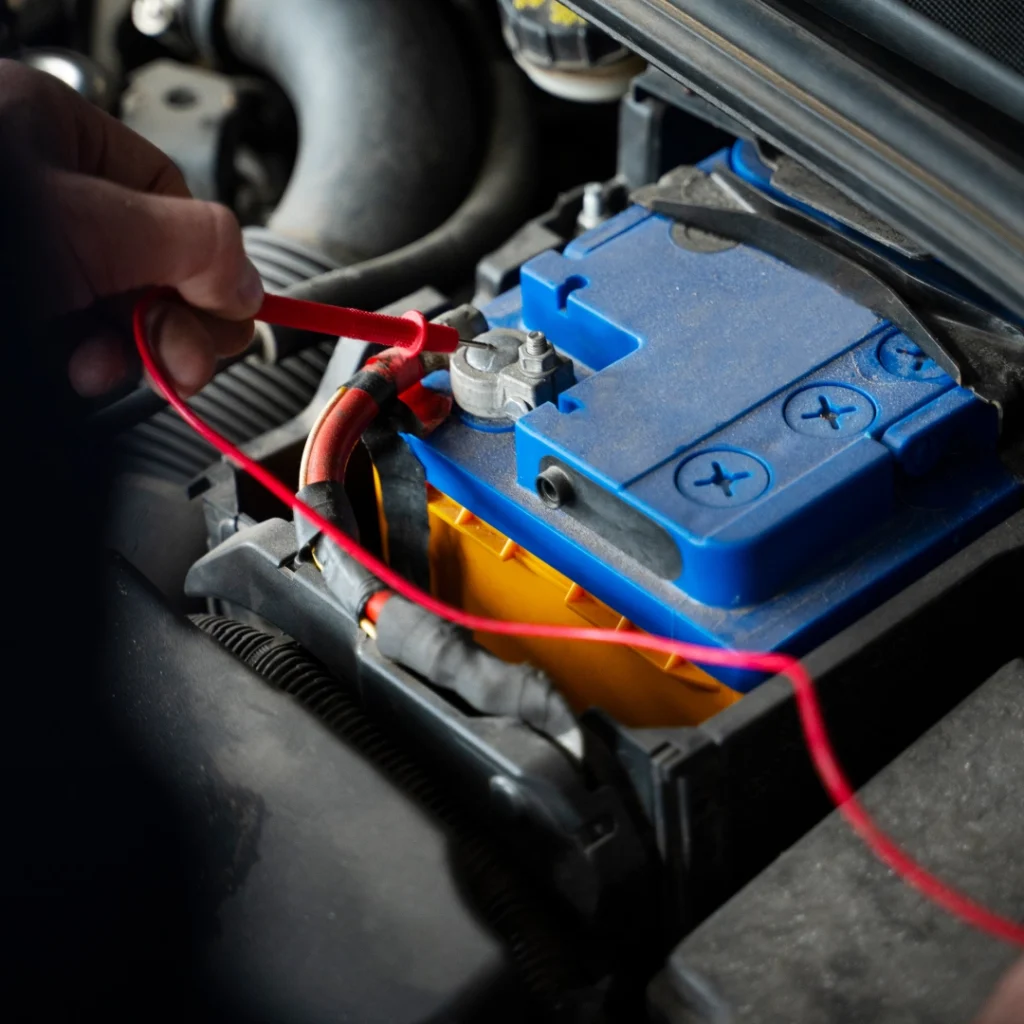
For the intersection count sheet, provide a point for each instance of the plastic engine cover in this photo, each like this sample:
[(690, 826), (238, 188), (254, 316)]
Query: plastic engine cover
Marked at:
[(755, 459)]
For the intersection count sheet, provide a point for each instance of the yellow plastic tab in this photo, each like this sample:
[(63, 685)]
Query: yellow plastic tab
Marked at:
[(558, 14), (479, 569)]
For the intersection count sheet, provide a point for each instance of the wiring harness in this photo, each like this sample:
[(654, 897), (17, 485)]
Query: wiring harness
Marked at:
[(395, 332)]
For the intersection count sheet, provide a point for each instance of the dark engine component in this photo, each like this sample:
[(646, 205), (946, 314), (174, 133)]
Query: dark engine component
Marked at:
[(498, 203), (277, 839), (510, 906), (387, 118)]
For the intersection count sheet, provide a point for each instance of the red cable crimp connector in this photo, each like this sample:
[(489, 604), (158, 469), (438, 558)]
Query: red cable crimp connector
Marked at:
[(411, 332)]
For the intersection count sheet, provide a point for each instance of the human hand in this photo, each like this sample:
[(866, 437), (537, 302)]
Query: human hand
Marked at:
[(123, 220), (1007, 1004)]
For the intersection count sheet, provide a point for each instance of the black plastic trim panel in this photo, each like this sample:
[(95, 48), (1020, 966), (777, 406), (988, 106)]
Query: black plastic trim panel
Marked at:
[(958, 193)]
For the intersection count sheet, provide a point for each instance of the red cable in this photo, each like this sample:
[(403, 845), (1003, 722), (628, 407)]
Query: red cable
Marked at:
[(822, 756), (337, 437)]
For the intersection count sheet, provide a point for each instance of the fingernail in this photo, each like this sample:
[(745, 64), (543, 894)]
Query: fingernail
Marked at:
[(250, 288)]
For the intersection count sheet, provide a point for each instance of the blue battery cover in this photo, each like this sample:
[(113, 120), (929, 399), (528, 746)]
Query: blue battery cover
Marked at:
[(804, 457)]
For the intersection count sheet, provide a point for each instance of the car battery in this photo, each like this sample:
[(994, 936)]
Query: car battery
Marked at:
[(733, 454)]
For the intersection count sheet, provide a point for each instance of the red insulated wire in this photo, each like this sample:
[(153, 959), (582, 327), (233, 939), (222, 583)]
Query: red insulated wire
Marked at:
[(338, 436), (815, 734), (334, 440)]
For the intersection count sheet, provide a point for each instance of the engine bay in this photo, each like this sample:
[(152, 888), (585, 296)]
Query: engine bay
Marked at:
[(673, 383)]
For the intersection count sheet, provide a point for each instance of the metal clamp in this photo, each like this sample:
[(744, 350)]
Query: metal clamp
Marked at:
[(516, 373)]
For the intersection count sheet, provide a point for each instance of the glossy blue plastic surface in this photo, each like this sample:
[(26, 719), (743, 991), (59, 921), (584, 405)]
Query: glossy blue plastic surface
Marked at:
[(806, 458)]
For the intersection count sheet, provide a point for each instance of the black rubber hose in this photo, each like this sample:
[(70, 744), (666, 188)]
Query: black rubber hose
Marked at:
[(448, 657), (501, 200), (387, 110), (548, 960)]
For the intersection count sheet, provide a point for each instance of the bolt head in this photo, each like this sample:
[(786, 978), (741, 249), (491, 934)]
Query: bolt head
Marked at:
[(516, 407), (154, 17), (537, 364)]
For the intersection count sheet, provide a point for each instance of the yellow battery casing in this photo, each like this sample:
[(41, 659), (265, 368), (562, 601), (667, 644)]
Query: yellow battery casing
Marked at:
[(480, 570)]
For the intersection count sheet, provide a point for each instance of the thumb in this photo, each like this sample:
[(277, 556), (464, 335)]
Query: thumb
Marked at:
[(117, 240), (1007, 1004)]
